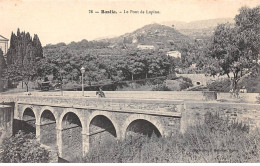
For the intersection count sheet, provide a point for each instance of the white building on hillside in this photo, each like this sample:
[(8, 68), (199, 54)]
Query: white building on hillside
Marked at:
[(145, 47), (175, 54)]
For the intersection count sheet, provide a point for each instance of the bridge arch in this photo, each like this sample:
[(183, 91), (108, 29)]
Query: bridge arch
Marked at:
[(102, 128), (143, 121), (48, 126), (74, 111), (51, 110), (29, 107), (72, 126), (29, 119), (105, 114)]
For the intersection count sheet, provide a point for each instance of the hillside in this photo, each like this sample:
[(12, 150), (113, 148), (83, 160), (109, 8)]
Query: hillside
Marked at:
[(198, 29), (200, 24), (151, 34), (157, 35), (161, 37)]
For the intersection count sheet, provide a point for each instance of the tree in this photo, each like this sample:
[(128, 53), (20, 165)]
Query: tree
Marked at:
[(26, 71), (146, 58), (109, 65), (23, 57), (2, 62), (235, 49), (23, 148), (2, 67), (38, 46), (135, 66)]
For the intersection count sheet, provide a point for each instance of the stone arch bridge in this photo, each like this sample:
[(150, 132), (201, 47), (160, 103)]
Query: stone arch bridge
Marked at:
[(75, 125)]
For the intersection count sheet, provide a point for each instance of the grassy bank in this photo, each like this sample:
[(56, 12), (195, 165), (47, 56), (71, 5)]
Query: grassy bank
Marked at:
[(217, 140)]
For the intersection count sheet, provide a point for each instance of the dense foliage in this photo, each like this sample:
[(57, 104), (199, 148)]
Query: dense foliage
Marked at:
[(23, 46), (221, 85), (117, 59), (176, 84), (217, 140), (66, 62), (23, 148), (232, 49), (251, 81), (235, 48), (2, 67), (2, 62), (23, 57)]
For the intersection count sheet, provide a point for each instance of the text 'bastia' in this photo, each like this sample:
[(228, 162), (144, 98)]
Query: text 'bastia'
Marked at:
[(108, 12)]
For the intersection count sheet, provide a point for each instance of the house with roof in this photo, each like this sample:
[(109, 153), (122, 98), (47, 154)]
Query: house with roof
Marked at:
[(175, 54), (4, 47), (4, 44)]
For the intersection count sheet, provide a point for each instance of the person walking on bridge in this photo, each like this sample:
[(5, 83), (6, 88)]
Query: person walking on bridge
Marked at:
[(100, 93)]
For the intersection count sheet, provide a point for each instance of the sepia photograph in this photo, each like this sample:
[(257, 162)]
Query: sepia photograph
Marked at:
[(130, 81)]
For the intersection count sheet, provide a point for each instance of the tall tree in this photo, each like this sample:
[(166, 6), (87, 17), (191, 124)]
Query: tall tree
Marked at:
[(235, 49), (2, 67), (2, 62), (23, 57), (38, 46)]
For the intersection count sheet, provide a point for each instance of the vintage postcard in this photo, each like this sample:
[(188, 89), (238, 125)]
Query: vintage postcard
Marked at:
[(129, 81)]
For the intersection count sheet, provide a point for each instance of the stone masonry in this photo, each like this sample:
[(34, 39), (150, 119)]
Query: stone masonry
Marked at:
[(77, 123)]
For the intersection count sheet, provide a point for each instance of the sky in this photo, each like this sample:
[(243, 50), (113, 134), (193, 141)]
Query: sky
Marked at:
[(56, 21)]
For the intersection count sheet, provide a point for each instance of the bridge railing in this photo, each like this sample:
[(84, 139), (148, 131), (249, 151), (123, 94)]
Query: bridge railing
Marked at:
[(151, 106), (7, 98)]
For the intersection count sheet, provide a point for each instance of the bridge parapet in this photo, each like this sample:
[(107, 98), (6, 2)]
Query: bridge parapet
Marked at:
[(151, 106), (7, 98)]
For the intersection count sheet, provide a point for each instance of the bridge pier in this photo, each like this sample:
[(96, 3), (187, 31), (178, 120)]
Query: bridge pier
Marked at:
[(85, 143), (180, 107), (59, 141), (38, 131)]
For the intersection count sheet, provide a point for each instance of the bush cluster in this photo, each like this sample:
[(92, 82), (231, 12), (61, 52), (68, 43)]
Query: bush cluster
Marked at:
[(217, 140), (23, 148), (221, 85), (185, 83), (161, 87)]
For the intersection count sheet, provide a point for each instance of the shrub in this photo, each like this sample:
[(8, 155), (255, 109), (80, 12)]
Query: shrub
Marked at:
[(217, 140), (186, 83), (188, 80), (141, 82), (179, 83), (161, 87), (157, 81), (70, 85), (172, 76), (216, 123), (221, 85), (23, 148)]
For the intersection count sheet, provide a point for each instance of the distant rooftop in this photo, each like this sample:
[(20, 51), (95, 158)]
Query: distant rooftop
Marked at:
[(2, 38), (175, 54), (143, 47)]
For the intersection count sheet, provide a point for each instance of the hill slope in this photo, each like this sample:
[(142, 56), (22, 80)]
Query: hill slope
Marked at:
[(159, 36), (198, 29)]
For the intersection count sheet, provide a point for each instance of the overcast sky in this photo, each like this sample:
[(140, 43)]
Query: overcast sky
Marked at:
[(69, 20)]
